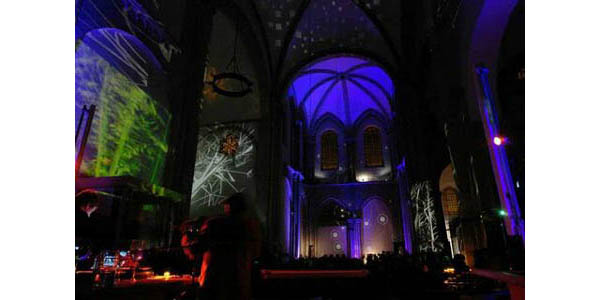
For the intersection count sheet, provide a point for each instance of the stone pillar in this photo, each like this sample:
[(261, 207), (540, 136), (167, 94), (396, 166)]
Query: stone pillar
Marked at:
[(350, 144), (354, 241), (297, 217), (461, 144), (515, 225), (271, 143), (186, 71), (403, 192), (295, 229), (298, 134), (309, 157)]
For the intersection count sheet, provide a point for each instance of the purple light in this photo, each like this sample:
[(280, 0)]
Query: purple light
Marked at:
[(514, 222), (486, 39), (354, 234), (286, 214), (405, 209), (328, 244), (378, 235), (345, 86)]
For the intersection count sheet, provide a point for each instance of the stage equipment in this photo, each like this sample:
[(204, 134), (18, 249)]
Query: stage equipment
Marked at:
[(129, 213)]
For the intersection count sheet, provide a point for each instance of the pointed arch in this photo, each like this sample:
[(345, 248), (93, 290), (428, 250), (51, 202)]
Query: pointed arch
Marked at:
[(327, 118), (329, 150), (371, 116), (373, 147), (338, 89), (378, 229)]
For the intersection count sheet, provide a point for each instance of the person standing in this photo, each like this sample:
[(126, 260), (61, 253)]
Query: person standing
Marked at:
[(232, 242)]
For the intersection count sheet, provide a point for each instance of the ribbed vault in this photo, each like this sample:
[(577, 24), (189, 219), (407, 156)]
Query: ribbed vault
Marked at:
[(344, 86)]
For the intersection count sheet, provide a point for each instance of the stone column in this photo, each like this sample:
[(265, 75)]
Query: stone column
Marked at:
[(403, 192), (296, 217), (350, 143), (295, 178), (186, 71), (299, 134), (515, 225), (309, 157), (354, 241)]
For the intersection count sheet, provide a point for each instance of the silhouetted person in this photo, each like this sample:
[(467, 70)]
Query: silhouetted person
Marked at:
[(232, 242), (86, 203), (459, 264), (191, 246), (90, 226)]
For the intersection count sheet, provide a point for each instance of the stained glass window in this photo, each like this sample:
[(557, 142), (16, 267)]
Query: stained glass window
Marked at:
[(329, 151), (372, 147)]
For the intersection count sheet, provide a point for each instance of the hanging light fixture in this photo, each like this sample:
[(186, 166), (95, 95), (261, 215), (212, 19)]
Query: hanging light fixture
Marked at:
[(232, 74)]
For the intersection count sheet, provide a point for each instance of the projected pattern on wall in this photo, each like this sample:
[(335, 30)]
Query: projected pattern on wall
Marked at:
[(378, 231), (331, 240), (218, 175), (425, 223), (129, 131), (130, 15)]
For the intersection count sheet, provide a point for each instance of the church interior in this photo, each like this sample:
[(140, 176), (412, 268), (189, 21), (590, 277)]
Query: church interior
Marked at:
[(361, 134)]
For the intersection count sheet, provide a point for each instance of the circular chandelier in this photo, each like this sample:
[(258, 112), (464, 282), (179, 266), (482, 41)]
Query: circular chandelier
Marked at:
[(233, 74), (244, 83)]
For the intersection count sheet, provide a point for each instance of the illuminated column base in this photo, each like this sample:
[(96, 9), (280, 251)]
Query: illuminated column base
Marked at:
[(354, 237)]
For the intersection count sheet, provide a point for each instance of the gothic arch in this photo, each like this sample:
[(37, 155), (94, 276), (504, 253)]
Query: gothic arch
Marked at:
[(377, 226), (371, 117)]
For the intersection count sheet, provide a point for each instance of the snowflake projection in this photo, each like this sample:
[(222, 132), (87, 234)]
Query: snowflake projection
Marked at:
[(222, 168), (230, 145)]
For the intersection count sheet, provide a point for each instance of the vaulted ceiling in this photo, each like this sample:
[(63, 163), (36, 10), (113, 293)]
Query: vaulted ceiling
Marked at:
[(290, 32), (297, 31), (344, 86)]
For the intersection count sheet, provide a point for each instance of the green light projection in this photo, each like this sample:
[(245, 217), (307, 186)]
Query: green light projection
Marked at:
[(129, 131)]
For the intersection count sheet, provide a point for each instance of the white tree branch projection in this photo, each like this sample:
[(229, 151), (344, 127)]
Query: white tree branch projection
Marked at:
[(425, 222), (217, 174), (122, 49), (136, 20)]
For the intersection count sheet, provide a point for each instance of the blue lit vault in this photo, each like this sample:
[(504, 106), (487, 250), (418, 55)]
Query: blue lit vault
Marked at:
[(345, 86)]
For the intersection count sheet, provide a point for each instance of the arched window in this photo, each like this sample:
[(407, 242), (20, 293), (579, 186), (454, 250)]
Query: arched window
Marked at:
[(450, 202), (372, 147), (329, 150)]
